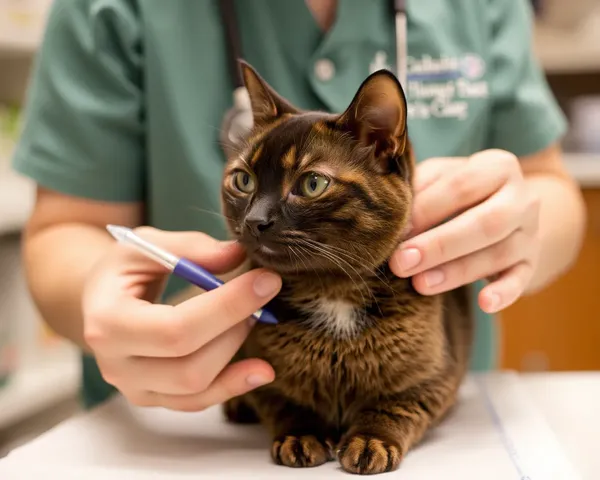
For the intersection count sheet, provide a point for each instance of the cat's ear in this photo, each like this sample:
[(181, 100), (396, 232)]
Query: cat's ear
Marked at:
[(267, 105), (377, 115)]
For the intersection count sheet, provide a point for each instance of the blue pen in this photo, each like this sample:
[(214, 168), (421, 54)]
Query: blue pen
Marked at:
[(179, 266)]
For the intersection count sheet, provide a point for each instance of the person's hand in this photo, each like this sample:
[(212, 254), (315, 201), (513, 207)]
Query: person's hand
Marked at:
[(174, 356), (492, 233)]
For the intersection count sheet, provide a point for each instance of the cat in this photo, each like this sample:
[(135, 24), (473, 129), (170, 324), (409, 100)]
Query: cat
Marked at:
[(364, 364)]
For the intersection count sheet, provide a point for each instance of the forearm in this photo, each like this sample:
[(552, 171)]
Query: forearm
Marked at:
[(561, 226), (58, 259)]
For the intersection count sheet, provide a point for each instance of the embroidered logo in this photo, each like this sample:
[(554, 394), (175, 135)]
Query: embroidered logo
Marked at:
[(444, 87)]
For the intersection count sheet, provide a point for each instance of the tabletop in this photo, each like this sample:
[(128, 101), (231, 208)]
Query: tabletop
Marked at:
[(119, 441)]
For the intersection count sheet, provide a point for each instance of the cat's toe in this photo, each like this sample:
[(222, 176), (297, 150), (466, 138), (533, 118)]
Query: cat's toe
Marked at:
[(303, 451), (367, 454), (238, 411)]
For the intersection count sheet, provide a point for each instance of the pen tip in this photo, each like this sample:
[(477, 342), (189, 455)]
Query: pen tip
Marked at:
[(118, 232)]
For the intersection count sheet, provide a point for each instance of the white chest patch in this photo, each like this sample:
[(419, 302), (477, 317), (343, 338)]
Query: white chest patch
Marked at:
[(337, 317)]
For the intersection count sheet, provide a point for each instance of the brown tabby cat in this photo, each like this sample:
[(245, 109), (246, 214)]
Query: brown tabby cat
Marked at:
[(364, 364)]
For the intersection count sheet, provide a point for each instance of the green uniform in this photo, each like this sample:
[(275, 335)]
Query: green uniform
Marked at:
[(128, 96)]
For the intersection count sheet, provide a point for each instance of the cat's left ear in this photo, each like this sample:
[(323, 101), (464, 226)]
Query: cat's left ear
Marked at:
[(377, 115), (267, 104)]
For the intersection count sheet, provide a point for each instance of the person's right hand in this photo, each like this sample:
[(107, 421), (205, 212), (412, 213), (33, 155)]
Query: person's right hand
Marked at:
[(175, 357)]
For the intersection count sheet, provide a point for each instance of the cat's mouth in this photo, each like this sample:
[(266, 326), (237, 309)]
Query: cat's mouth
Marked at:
[(268, 250), (276, 254)]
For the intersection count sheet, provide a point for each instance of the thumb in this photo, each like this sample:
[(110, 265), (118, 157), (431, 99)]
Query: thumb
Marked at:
[(200, 248)]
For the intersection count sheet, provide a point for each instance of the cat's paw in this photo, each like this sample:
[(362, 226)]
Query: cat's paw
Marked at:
[(303, 451), (367, 454), (238, 411)]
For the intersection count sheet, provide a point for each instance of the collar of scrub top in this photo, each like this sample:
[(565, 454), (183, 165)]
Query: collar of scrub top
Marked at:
[(238, 120)]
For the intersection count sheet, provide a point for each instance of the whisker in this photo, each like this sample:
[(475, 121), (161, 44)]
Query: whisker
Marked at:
[(306, 265), (374, 272), (373, 266), (290, 251), (211, 212), (339, 262), (373, 262)]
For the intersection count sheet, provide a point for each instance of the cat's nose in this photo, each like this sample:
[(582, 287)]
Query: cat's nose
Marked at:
[(259, 224)]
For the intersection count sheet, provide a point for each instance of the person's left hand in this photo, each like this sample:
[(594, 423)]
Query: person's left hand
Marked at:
[(493, 233)]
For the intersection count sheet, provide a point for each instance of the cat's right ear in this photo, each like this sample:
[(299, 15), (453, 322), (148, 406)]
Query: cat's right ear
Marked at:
[(377, 115), (267, 105)]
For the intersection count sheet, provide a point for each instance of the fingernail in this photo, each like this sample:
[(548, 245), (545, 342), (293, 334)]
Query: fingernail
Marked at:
[(494, 301), (267, 284), (409, 258), (433, 278), (256, 380)]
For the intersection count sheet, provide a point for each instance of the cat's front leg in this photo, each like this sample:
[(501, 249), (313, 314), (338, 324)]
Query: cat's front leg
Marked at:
[(301, 438), (381, 434)]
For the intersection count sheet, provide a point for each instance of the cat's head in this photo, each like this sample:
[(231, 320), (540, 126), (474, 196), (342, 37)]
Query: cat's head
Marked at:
[(312, 191)]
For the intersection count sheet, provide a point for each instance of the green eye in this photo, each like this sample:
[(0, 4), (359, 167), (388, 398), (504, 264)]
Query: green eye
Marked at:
[(313, 185), (244, 182)]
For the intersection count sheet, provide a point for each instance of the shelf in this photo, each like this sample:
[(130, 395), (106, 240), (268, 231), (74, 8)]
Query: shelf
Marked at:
[(566, 52), (22, 26), (584, 167), (17, 196), (19, 44), (39, 386)]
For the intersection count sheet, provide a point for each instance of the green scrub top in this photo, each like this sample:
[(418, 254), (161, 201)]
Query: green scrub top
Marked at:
[(127, 97)]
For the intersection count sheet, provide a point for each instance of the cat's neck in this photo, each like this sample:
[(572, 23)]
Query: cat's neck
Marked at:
[(359, 288)]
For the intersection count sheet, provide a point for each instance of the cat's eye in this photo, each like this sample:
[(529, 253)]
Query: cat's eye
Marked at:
[(313, 185), (244, 182)]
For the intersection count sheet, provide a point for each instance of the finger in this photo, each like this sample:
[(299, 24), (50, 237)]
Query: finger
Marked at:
[(132, 327), (477, 228), (235, 380), (212, 254), (431, 170), (507, 289), (127, 272), (454, 192), (481, 264), (191, 374)]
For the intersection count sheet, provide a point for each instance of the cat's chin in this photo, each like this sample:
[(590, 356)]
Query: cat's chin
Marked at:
[(268, 257), (277, 260)]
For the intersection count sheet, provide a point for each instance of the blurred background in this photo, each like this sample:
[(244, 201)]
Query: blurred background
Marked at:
[(556, 330)]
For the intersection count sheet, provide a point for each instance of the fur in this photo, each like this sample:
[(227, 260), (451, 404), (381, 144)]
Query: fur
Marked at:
[(364, 364)]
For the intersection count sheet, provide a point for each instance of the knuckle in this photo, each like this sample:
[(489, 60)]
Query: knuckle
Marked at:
[(175, 336), (495, 223), (439, 248), (463, 271), (95, 331), (462, 188), (505, 158), (502, 252), (191, 380)]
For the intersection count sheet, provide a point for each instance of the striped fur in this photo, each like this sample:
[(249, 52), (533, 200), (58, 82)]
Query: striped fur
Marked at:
[(364, 365)]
